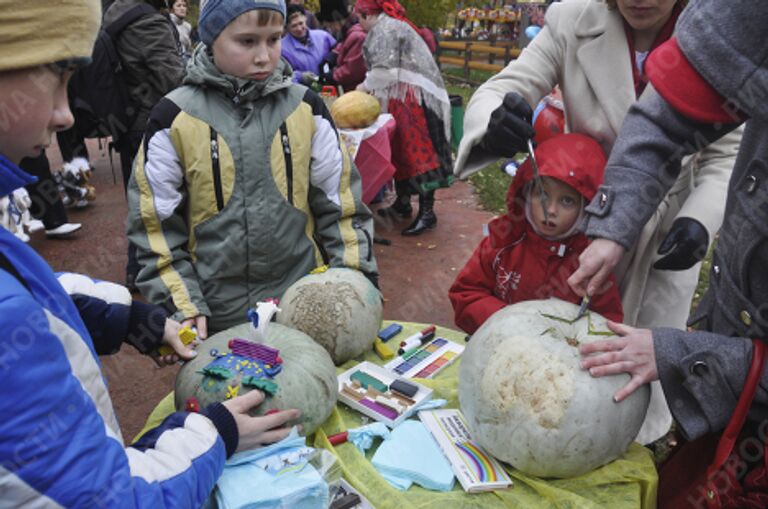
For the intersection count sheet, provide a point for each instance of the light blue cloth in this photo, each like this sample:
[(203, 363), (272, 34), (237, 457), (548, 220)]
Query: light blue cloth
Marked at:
[(277, 476), (409, 455), (363, 436), (428, 404)]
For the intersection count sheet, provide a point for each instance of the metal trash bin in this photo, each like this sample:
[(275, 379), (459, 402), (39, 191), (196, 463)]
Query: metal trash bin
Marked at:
[(457, 120)]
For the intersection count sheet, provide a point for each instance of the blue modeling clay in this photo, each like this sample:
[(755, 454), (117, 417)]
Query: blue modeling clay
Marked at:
[(412, 455), (232, 364)]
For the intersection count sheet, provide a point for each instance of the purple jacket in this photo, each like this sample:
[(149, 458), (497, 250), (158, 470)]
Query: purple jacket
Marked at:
[(307, 58)]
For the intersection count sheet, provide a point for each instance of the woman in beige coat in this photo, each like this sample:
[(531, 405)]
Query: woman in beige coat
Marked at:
[(585, 48)]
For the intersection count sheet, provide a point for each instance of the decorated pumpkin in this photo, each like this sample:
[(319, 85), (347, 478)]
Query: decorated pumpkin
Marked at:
[(529, 403), (306, 379), (355, 110), (338, 308)]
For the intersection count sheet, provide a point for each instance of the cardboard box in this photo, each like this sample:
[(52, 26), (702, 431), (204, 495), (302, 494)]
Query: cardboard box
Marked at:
[(475, 469), (365, 401), (428, 360)]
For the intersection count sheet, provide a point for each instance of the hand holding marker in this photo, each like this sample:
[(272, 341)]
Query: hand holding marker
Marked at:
[(416, 340)]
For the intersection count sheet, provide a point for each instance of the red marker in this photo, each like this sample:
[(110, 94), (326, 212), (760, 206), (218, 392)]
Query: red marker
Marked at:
[(417, 339), (338, 438)]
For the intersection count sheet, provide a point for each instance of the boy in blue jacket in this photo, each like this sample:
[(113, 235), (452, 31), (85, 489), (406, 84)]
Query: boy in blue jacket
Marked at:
[(60, 443)]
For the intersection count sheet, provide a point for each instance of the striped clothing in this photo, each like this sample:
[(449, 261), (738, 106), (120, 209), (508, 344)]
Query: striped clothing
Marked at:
[(240, 191), (60, 443)]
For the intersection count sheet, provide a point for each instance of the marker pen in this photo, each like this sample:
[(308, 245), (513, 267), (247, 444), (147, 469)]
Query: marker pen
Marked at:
[(417, 340)]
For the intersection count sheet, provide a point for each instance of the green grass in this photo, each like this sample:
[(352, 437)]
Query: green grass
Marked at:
[(474, 75), (490, 183)]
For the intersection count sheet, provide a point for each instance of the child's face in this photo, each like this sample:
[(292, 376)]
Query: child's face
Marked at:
[(33, 105), (563, 207), (248, 50)]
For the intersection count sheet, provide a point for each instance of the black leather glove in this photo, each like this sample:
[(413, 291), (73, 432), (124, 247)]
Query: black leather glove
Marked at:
[(509, 128), (685, 245), (308, 78)]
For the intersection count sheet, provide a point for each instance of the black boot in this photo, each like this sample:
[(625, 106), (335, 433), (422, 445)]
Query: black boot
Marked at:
[(426, 218), (401, 207)]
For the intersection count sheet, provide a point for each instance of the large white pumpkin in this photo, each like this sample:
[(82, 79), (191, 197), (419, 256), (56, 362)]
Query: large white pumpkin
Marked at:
[(529, 403), (338, 308)]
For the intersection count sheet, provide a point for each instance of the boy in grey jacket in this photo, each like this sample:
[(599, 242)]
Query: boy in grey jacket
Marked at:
[(710, 79), (242, 185)]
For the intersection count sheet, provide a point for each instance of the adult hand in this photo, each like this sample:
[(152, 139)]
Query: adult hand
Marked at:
[(632, 353), (172, 339), (258, 431), (509, 128), (200, 323), (685, 245), (596, 263), (308, 78)]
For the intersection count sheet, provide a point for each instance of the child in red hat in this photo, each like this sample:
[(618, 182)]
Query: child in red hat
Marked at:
[(528, 254)]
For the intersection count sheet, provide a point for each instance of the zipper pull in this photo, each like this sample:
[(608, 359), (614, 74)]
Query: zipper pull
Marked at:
[(214, 149), (286, 145)]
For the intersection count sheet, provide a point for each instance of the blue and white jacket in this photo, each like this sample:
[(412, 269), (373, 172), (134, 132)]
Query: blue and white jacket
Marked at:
[(60, 443)]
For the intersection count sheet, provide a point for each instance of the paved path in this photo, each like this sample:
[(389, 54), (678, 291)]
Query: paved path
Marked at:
[(416, 273)]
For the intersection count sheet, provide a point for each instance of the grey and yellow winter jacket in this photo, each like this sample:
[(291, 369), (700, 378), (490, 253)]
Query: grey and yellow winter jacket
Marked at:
[(241, 188)]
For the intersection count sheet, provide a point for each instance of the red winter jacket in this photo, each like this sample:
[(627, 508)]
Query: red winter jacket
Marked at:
[(514, 263), (350, 65)]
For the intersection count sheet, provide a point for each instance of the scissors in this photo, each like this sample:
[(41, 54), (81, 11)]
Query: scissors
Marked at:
[(538, 181)]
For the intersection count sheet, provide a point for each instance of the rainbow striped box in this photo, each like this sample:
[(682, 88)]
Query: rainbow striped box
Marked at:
[(476, 470)]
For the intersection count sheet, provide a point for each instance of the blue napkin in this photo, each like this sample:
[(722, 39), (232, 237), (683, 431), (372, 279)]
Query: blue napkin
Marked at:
[(276, 476), (409, 455), (363, 436)]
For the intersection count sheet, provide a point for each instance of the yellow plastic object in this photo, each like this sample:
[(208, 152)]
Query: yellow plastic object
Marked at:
[(355, 110), (382, 350), (629, 482), (319, 270), (186, 335)]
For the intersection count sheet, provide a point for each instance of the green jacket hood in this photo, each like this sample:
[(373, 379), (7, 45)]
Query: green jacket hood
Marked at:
[(202, 71)]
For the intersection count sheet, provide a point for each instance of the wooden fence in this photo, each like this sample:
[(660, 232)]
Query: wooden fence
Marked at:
[(482, 56)]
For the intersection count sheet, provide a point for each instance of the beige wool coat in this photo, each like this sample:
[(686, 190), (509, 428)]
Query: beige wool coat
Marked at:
[(583, 48)]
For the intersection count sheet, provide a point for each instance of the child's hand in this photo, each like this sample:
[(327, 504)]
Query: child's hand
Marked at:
[(172, 339), (257, 431), (200, 323)]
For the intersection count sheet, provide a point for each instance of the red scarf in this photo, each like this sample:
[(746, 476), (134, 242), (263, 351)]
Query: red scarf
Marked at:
[(640, 79), (391, 8)]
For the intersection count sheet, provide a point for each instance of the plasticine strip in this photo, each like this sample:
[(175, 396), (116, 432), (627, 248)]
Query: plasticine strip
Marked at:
[(351, 393), (379, 409), (369, 381)]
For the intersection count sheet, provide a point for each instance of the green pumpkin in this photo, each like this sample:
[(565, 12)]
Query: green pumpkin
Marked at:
[(528, 402), (338, 308), (307, 380)]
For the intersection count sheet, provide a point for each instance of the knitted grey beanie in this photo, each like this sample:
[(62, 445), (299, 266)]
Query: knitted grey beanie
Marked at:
[(217, 14)]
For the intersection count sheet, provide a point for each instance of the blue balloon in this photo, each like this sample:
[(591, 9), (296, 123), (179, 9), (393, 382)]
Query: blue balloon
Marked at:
[(532, 31)]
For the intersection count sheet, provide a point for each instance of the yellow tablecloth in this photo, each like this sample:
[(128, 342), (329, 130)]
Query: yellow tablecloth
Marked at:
[(629, 482)]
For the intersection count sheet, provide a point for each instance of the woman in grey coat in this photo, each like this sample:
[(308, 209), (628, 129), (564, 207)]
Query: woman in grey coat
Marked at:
[(709, 81)]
